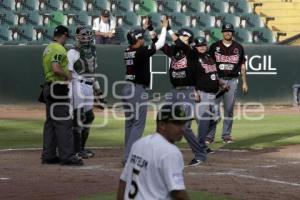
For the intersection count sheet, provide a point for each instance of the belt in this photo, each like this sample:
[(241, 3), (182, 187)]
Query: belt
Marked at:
[(86, 82), (184, 87)]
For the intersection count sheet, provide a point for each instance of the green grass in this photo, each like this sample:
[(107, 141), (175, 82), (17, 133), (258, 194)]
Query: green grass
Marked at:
[(192, 195), (272, 131)]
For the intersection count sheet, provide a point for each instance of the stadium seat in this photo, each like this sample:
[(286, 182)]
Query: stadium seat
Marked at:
[(202, 21), (29, 17), (127, 20), (73, 5), (6, 5), (229, 18), (197, 32), (21, 34), (190, 7), (83, 19), (243, 36), (42, 35), (251, 21), (156, 19), (263, 35), (9, 18), (26, 5), (179, 20), (5, 34), (168, 6), (50, 5), (121, 35), (97, 5), (216, 7), (121, 6), (239, 7)]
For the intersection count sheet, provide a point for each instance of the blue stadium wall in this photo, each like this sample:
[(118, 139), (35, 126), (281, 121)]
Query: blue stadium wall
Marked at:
[(272, 70)]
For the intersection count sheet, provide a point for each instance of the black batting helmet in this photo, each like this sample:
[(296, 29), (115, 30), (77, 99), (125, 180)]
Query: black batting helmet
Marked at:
[(200, 41), (134, 35), (187, 32), (227, 27)]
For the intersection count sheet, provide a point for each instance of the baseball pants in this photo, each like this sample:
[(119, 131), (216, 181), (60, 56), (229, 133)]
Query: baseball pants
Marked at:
[(57, 131), (82, 101), (185, 97), (135, 99), (206, 115), (229, 100)]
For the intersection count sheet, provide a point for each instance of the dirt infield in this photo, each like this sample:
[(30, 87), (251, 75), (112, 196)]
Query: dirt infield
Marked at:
[(262, 175)]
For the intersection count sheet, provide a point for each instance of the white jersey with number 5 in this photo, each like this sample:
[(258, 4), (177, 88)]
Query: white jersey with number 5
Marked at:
[(154, 169)]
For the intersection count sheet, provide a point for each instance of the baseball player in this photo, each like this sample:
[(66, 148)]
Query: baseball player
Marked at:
[(182, 73), (207, 86), (230, 59), (82, 64), (58, 125), (154, 169), (137, 62)]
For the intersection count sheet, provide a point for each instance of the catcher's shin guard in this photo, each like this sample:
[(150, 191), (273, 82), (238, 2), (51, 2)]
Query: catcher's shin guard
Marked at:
[(89, 118)]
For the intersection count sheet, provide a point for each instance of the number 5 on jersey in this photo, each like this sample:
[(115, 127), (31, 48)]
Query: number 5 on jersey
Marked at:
[(134, 187)]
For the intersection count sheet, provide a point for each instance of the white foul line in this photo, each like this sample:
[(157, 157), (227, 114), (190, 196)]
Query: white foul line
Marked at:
[(246, 176)]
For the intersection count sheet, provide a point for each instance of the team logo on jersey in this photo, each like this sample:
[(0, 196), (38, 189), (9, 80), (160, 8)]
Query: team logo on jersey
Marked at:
[(178, 75), (179, 64), (227, 59), (209, 68), (218, 49), (213, 77), (236, 50)]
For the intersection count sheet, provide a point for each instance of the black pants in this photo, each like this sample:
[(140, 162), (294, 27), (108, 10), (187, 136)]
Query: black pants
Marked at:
[(57, 132)]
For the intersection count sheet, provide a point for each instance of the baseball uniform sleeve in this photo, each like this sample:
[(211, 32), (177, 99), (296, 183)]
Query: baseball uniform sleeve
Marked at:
[(149, 50), (184, 47), (168, 50), (211, 51), (172, 170), (243, 59), (73, 56), (58, 55)]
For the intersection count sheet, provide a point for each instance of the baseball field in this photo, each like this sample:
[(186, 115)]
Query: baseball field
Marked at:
[(263, 163)]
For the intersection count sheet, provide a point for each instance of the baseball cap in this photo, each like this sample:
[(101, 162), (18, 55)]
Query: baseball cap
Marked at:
[(200, 41), (172, 113), (60, 30), (105, 13), (227, 27)]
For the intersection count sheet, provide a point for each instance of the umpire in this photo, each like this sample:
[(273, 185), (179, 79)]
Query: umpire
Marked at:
[(137, 60), (58, 125), (230, 59)]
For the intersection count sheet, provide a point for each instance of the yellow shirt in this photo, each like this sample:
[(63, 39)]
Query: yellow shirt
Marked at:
[(54, 52)]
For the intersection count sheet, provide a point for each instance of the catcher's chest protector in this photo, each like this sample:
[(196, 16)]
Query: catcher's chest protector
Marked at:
[(87, 62)]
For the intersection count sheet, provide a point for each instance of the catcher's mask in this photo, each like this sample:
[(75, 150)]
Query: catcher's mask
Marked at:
[(84, 35)]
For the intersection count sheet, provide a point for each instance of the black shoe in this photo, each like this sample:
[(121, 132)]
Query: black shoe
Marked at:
[(89, 152), (195, 162), (209, 150), (85, 154), (52, 161), (74, 160)]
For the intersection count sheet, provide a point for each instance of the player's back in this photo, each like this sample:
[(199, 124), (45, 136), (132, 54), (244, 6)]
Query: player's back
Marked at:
[(154, 168)]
